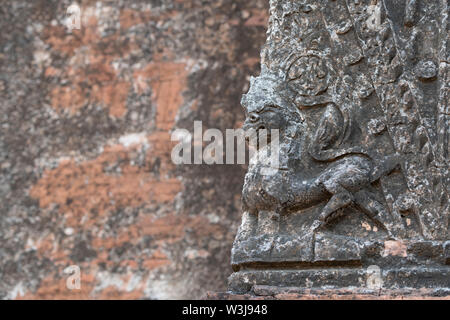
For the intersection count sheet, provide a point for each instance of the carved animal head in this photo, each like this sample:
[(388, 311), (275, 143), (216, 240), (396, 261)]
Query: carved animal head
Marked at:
[(269, 104)]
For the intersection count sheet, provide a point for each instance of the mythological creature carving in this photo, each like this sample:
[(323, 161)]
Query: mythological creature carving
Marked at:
[(359, 93), (344, 176)]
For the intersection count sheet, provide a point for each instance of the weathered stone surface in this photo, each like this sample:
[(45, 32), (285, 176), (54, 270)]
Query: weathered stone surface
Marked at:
[(85, 171), (447, 252), (359, 93), (295, 293)]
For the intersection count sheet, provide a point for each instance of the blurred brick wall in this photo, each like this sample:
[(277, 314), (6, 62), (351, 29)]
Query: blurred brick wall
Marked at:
[(86, 177)]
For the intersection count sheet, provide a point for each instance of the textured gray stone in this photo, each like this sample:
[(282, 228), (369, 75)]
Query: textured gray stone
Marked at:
[(358, 90)]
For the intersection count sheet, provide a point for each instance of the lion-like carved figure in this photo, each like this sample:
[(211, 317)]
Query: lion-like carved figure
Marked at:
[(302, 181)]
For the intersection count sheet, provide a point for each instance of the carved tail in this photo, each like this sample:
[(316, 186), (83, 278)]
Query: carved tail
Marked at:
[(385, 166)]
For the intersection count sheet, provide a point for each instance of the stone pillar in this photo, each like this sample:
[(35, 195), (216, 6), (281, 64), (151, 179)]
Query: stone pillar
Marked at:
[(359, 93)]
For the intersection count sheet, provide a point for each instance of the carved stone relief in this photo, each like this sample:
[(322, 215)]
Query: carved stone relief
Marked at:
[(358, 90)]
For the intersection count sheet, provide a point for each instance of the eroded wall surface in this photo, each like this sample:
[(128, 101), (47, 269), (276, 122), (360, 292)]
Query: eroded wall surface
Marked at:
[(86, 175)]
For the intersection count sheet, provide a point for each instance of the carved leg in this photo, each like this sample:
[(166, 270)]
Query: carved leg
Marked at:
[(337, 201), (338, 180)]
